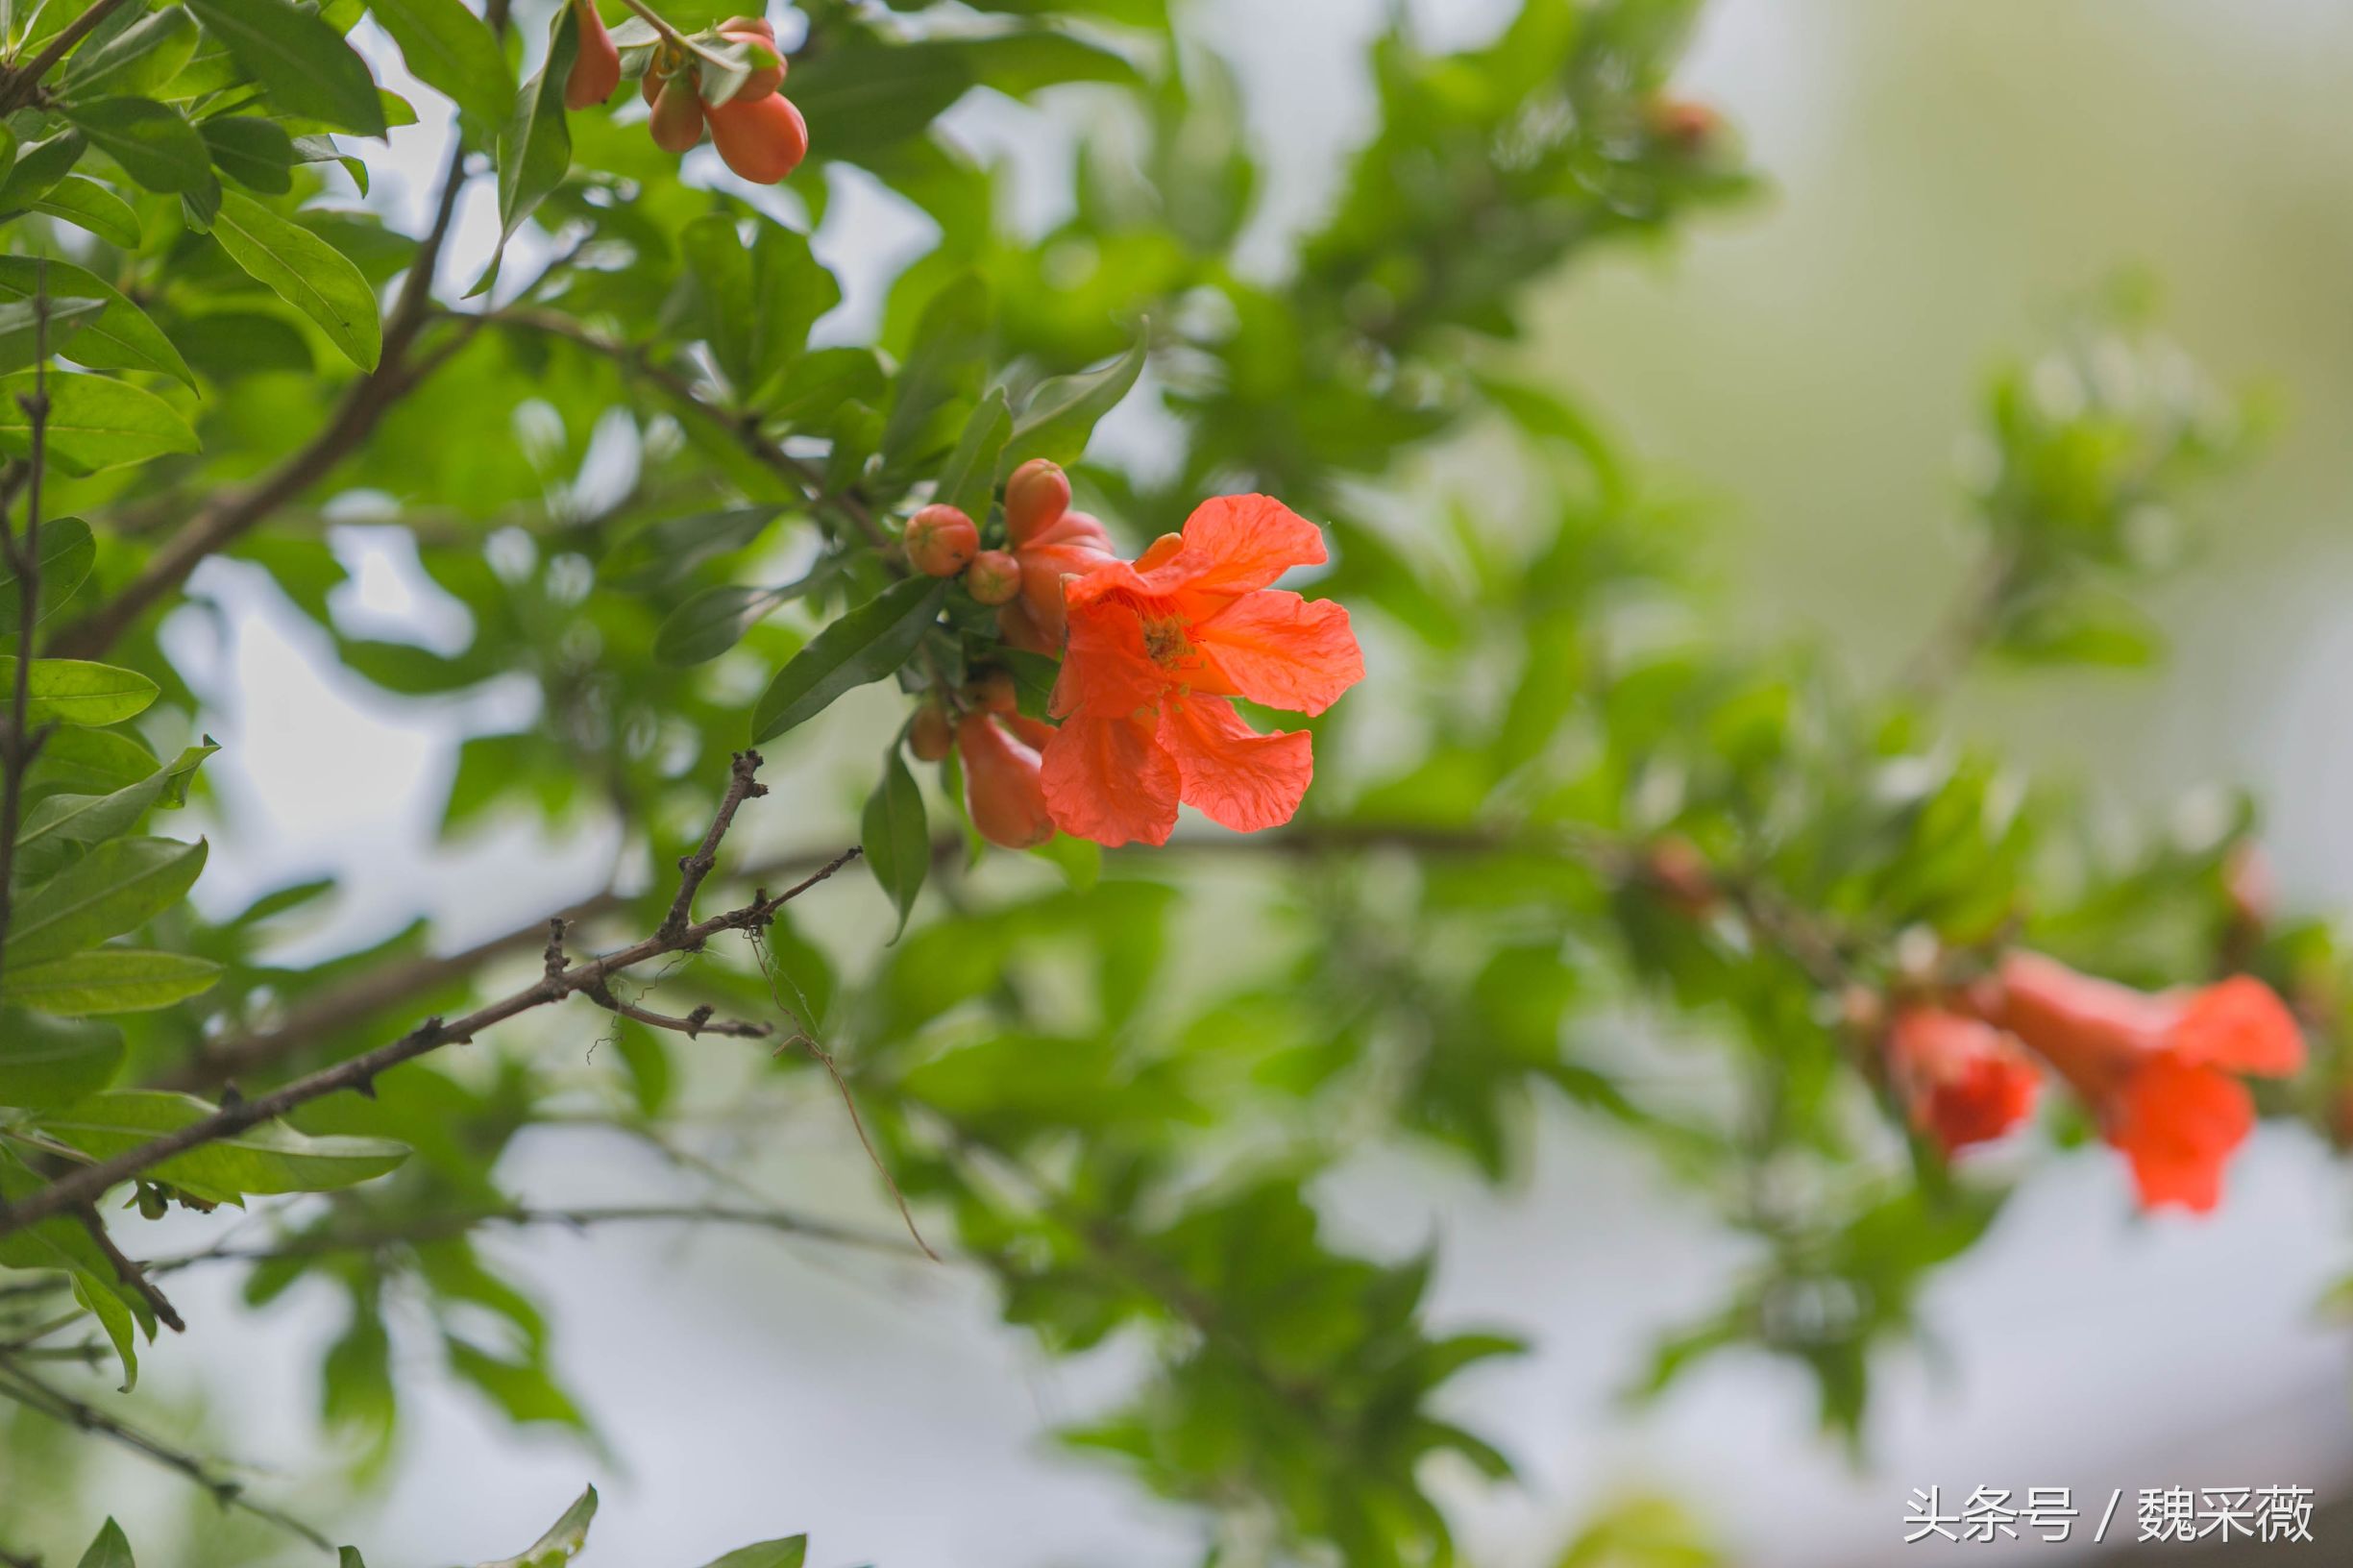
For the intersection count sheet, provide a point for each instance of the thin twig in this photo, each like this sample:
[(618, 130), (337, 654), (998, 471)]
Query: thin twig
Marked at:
[(742, 786), (17, 748), (36, 1394), (20, 85), (130, 1272), (359, 1073), (700, 1021)]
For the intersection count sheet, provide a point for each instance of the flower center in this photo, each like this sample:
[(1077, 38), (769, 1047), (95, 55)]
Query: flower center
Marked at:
[(1165, 639)]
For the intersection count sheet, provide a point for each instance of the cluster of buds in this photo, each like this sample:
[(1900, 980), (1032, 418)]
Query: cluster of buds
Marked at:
[(1001, 750), (1046, 542), (758, 132)]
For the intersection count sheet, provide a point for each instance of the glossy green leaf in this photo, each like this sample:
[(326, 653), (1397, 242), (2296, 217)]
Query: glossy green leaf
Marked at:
[(535, 141), (118, 887), (452, 50), (121, 337), (715, 619), (87, 204), (66, 553), (154, 143), (307, 272), (670, 550), (945, 365), (254, 152), (968, 480), (269, 1158), (1063, 412), (108, 980), (303, 63), (37, 166), (22, 331), (134, 61), (790, 1552), (47, 1060), (77, 691), (62, 820), (95, 422), (865, 645), (896, 837), (759, 300), (89, 762), (562, 1541)]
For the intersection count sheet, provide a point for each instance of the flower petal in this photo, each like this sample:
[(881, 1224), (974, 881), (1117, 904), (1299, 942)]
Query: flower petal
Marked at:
[(1237, 777), (1233, 544), (1285, 652), (2178, 1122), (2240, 1023), (1106, 672), (1112, 781)]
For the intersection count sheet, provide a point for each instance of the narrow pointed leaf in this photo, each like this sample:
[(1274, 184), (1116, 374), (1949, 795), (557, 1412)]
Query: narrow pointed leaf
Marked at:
[(305, 271), (266, 1160), (865, 645)]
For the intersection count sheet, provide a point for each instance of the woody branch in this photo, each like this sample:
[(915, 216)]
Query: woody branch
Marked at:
[(560, 980)]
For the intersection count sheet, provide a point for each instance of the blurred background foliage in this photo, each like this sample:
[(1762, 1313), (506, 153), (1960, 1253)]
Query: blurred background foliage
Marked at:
[(1612, 825)]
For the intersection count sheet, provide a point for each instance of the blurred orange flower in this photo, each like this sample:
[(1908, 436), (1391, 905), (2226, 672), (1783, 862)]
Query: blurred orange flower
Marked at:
[(1157, 648), (1963, 1080), (2159, 1070)]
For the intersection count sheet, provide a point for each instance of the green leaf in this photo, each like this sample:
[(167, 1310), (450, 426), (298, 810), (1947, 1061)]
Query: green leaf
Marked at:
[(823, 380), (715, 619), (117, 1318), (154, 143), (95, 422), (1079, 860), (66, 553), (135, 60), (562, 1541), (64, 820), (865, 645), (110, 1550), (21, 331), (1063, 412), (77, 692), (535, 144), (968, 481), (670, 550), (107, 980), (300, 61), (86, 204), (46, 1061), (37, 166), (759, 301), (267, 1160), (254, 152), (1034, 675), (89, 762), (896, 839), (349, 1558), (449, 48), (305, 271), (121, 338), (117, 887), (944, 364), (790, 1552)]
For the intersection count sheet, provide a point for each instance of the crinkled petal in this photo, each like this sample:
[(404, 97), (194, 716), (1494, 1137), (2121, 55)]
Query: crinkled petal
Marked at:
[(1282, 651), (2241, 1024), (1237, 777), (2179, 1122), (1233, 544), (1106, 670), (1110, 780)]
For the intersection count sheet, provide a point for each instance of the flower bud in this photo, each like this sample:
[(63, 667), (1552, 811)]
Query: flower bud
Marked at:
[(940, 539), (1036, 495), (1072, 545), (993, 578), (992, 690), (763, 139), (676, 125), (929, 735), (761, 39), (1001, 785), (596, 69), (1679, 873)]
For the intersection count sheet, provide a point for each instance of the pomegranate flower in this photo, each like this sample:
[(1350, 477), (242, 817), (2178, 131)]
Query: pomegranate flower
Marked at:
[(1963, 1080), (1000, 781), (2158, 1070), (1157, 648)]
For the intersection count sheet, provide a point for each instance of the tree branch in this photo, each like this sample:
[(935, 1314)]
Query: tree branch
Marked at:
[(359, 1073), (36, 1394), (19, 748), (21, 84), (742, 786)]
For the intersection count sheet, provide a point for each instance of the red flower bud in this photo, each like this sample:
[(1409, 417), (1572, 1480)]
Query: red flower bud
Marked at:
[(1072, 545), (940, 540), (993, 578), (596, 69), (1037, 496), (1680, 874), (761, 39), (676, 124), (1963, 1080), (1001, 787), (763, 139), (929, 735), (993, 691)]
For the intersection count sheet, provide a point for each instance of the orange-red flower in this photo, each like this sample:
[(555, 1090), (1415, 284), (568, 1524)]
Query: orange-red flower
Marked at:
[(1051, 549), (2158, 1070), (1963, 1080), (1156, 650)]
